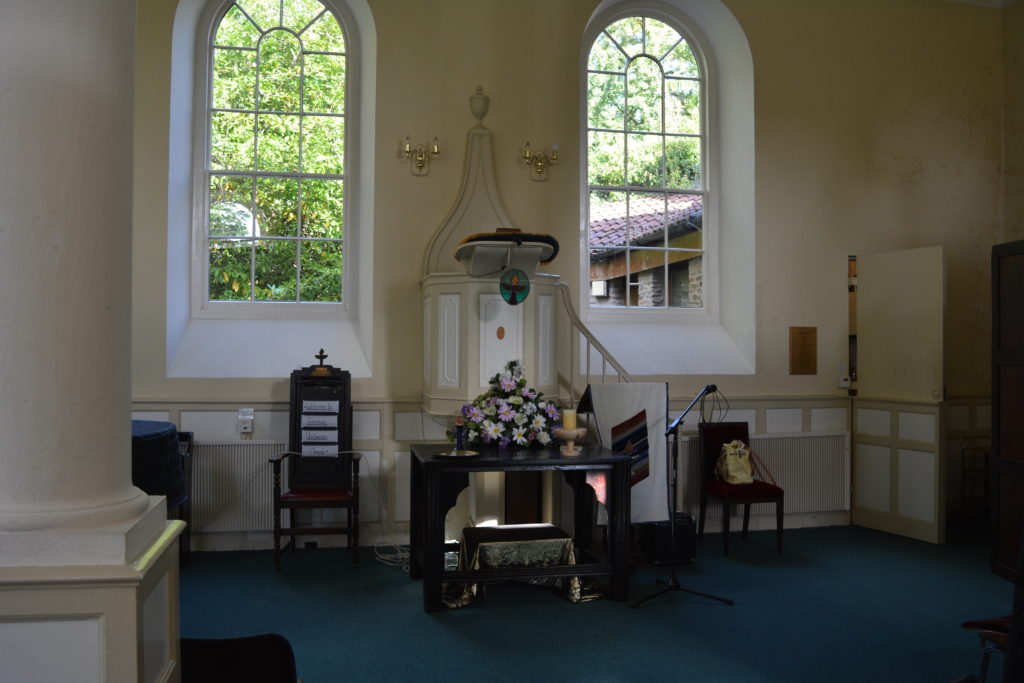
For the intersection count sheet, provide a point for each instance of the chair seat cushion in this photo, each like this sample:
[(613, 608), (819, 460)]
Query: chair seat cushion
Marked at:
[(758, 490), (316, 496)]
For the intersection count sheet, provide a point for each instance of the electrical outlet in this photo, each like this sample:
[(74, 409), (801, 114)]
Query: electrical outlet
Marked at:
[(246, 418)]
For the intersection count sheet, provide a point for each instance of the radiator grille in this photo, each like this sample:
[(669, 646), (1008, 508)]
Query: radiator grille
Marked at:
[(813, 469), (232, 484)]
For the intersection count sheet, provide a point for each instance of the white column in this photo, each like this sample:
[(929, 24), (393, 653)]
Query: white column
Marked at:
[(88, 563), (66, 71)]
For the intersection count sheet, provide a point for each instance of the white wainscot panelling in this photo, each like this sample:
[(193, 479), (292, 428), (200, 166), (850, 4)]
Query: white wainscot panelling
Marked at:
[(784, 420), (156, 631), (419, 427), (917, 484), (918, 427), (871, 477), (983, 417), (545, 339), (501, 334), (426, 339), (366, 425), (213, 425), (403, 482), (873, 422), (449, 340), (958, 418), (27, 650), (828, 420), (748, 416), (155, 415)]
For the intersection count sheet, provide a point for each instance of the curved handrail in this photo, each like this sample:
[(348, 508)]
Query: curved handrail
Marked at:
[(592, 342)]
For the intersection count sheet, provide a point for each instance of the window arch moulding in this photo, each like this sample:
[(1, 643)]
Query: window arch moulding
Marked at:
[(200, 346), (719, 338)]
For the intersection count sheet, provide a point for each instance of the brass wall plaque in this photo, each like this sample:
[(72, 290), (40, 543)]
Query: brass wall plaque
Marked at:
[(803, 350)]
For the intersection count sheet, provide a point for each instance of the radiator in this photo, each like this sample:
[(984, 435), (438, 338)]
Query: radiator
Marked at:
[(232, 486), (813, 469)]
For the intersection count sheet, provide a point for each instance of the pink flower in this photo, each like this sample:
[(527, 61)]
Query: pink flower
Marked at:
[(506, 413), (507, 383)]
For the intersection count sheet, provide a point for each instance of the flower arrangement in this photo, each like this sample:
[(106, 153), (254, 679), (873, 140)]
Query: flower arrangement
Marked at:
[(508, 413)]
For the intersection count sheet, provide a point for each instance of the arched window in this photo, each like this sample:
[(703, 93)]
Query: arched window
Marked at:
[(645, 159), (272, 108), (274, 213), (668, 269)]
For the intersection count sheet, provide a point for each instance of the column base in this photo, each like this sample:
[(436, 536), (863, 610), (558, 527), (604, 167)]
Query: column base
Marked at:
[(94, 623)]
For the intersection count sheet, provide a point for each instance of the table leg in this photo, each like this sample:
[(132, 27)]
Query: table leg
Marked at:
[(618, 526), (432, 533)]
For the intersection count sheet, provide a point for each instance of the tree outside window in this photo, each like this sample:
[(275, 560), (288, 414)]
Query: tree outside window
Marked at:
[(276, 167), (645, 161)]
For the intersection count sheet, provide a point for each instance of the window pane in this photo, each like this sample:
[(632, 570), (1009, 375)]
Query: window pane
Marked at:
[(323, 145), (606, 96), (686, 281), (324, 84), (231, 141), (606, 56), (234, 79), (683, 170), (298, 13), (277, 206), (230, 206), (236, 30), (275, 270), (681, 62), (628, 33), (682, 106), (643, 96), (229, 270), (685, 221), (645, 160), (324, 35), (605, 158), (607, 218), (278, 143), (280, 71), (321, 271), (323, 208), (266, 13), (648, 269), (607, 277), (660, 38), (646, 219)]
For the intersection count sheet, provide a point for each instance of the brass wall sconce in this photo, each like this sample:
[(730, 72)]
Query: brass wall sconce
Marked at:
[(539, 161), (419, 156)]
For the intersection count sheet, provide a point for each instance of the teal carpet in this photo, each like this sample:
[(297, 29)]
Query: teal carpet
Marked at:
[(843, 604)]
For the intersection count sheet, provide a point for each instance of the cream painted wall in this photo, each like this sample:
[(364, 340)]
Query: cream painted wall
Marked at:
[(878, 127), (1013, 39)]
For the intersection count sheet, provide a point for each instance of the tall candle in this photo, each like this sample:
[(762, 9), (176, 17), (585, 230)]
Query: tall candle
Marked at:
[(569, 419)]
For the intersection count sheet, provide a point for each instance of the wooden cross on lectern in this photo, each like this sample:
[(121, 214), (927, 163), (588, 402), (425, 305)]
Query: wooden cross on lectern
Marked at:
[(320, 370)]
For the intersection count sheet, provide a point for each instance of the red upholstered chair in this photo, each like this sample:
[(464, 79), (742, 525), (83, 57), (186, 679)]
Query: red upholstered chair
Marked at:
[(994, 635), (712, 436), (335, 486)]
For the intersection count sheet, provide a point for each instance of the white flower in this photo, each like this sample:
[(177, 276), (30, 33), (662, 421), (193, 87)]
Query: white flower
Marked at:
[(515, 400), (519, 436), (520, 419), (492, 429), (538, 422), (530, 408), (544, 438)]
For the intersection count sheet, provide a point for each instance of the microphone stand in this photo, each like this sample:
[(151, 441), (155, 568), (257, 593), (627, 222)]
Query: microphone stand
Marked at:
[(672, 584)]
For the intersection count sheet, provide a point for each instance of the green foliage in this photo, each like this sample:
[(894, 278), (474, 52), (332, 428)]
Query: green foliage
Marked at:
[(277, 237)]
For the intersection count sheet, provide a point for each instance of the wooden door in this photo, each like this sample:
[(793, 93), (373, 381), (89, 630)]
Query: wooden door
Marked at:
[(1007, 405), (898, 464)]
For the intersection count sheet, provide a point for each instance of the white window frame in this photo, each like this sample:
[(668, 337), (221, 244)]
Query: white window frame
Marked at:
[(708, 311), (721, 337), (202, 305), (263, 339)]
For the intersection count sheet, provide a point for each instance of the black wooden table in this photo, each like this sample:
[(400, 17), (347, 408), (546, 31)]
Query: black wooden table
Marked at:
[(437, 481)]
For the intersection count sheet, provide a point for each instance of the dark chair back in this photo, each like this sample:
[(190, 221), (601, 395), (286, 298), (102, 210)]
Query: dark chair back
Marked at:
[(267, 658), (712, 436)]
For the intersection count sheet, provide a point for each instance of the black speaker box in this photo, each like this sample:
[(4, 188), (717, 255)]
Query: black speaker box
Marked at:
[(656, 541)]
